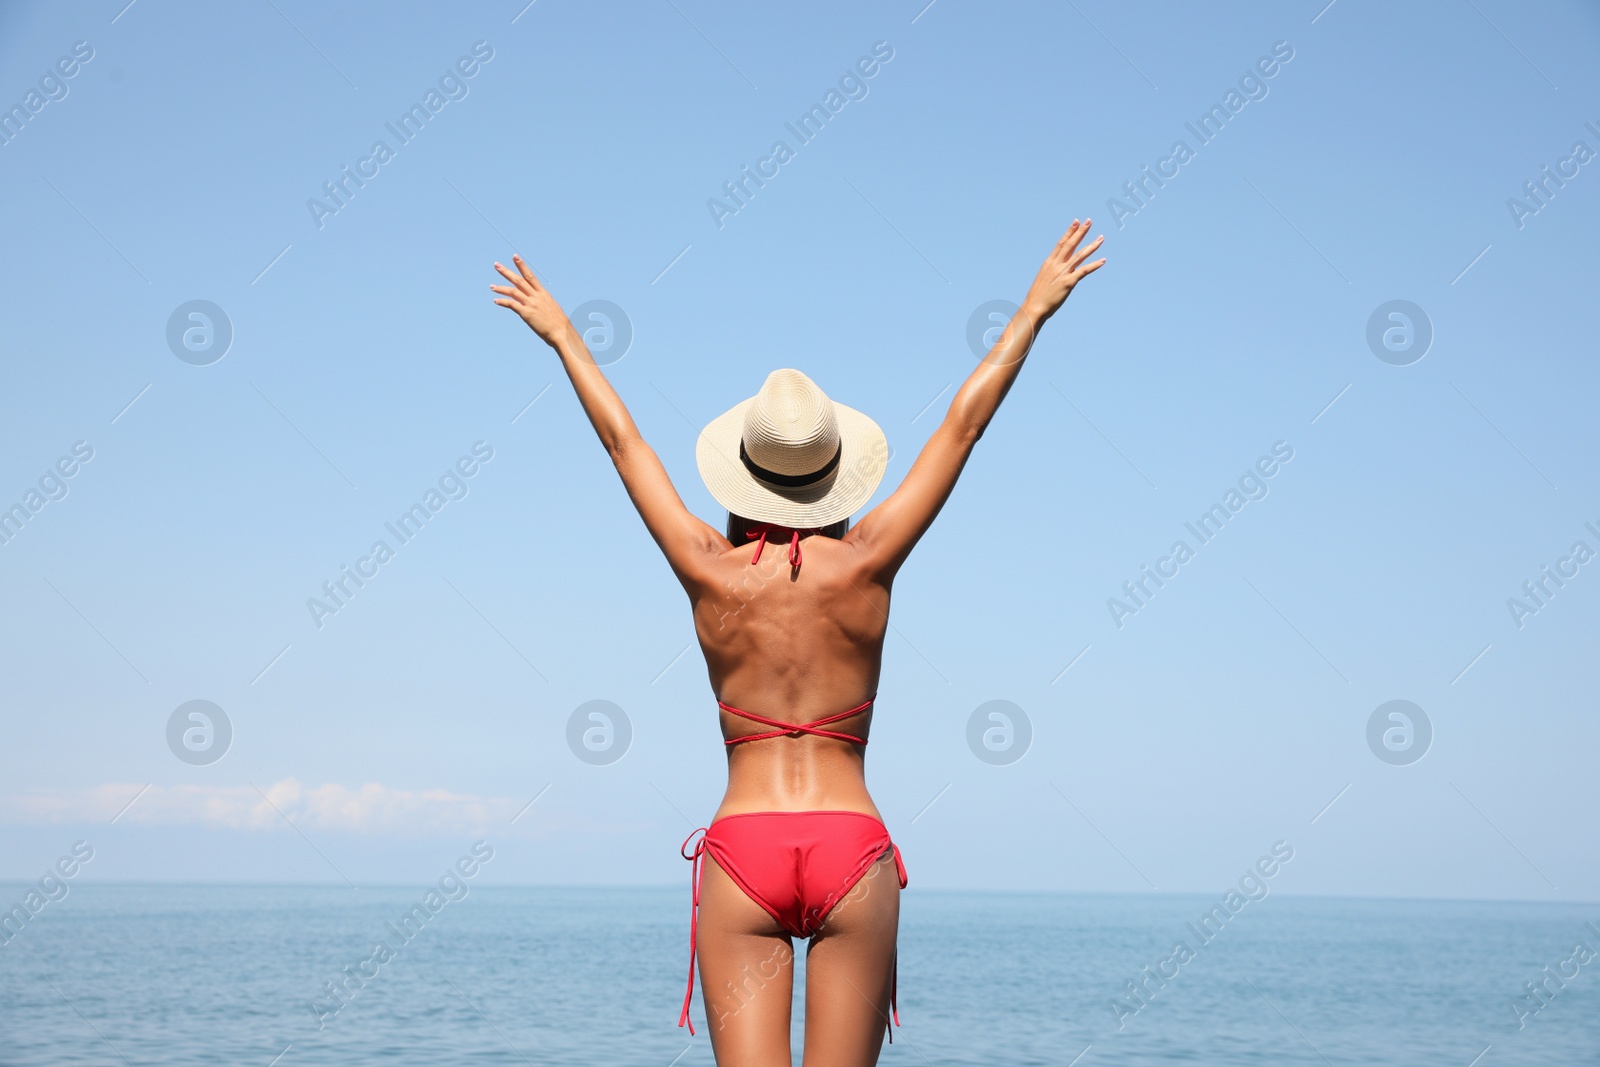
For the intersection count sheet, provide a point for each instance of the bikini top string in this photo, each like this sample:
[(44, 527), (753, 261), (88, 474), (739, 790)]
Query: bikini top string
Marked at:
[(763, 529)]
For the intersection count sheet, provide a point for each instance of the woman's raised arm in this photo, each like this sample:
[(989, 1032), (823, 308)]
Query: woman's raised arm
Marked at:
[(686, 541), (889, 531)]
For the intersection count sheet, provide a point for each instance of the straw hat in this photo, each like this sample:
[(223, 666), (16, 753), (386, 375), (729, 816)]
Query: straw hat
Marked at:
[(789, 455)]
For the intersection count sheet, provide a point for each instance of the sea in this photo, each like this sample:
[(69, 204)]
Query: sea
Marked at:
[(239, 975)]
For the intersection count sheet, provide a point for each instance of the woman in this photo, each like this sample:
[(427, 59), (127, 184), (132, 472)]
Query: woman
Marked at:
[(797, 848)]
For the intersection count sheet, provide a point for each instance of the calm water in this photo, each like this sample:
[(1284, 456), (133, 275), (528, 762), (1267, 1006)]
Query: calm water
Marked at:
[(227, 975)]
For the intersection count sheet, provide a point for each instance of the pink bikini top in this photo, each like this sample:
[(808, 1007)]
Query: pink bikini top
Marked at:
[(765, 528), (795, 729)]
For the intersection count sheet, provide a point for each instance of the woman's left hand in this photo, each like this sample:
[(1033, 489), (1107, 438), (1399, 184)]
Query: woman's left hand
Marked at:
[(533, 302)]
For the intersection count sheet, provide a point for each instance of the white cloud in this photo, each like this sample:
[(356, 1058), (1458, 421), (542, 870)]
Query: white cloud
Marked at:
[(372, 808)]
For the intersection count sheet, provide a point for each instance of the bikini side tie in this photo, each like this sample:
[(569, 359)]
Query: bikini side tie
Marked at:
[(697, 858)]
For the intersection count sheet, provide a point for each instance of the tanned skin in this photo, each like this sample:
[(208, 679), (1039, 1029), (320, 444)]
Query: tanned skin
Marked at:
[(799, 644)]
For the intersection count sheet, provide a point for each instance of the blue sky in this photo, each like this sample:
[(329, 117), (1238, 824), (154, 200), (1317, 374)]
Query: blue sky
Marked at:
[(1375, 164)]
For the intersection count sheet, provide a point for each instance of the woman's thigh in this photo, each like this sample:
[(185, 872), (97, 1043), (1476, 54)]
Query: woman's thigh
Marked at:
[(746, 975), (849, 971)]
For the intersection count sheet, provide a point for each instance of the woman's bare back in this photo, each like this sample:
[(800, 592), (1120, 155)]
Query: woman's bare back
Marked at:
[(795, 644)]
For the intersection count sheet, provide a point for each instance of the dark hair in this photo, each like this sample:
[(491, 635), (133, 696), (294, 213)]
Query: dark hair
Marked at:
[(739, 526)]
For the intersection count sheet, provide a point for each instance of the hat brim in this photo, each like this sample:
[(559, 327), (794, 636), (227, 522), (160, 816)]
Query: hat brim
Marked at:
[(863, 458)]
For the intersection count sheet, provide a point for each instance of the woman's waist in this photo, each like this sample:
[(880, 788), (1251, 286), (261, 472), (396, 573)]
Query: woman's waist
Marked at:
[(753, 789)]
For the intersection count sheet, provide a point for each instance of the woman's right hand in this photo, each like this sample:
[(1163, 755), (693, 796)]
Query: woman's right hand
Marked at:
[(533, 302), (1062, 270)]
